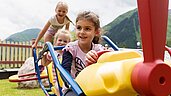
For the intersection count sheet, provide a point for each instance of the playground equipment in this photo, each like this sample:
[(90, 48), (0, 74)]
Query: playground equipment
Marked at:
[(66, 77), (18, 78), (127, 73), (29, 73)]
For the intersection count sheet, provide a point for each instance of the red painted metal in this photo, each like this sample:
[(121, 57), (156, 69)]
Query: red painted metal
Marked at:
[(18, 45), (152, 77), (11, 62), (153, 16), (168, 50), (27, 79)]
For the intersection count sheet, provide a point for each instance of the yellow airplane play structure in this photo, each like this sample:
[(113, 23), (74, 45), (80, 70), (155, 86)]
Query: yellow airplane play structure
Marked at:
[(128, 73)]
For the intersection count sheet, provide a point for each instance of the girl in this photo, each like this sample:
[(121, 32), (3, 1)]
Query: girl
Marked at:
[(62, 37), (88, 34), (54, 23)]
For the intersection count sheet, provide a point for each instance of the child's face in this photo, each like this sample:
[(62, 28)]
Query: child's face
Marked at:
[(62, 40), (61, 11), (85, 31)]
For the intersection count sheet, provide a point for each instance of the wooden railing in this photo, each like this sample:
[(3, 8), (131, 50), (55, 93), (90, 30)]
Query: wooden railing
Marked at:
[(14, 54)]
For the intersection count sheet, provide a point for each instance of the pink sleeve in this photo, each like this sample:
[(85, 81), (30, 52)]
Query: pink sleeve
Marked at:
[(98, 47), (71, 48)]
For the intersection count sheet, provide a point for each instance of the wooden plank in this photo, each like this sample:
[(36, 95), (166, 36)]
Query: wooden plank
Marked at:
[(4, 53), (12, 55), (16, 54), (24, 53), (27, 51), (8, 54), (11, 62), (20, 53), (0, 55), (30, 50)]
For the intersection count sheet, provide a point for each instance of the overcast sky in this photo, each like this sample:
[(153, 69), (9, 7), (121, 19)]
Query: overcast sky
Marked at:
[(18, 15)]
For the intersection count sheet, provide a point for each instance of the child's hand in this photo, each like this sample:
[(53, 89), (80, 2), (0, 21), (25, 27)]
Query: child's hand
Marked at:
[(91, 57), (34, 45), (46, 59), (49, 57)]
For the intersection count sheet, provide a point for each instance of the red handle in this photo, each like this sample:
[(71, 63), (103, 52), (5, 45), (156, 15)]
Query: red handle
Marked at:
[(99, 53)]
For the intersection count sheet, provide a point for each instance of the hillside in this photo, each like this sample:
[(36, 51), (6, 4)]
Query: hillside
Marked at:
[(26, 35), (169, 31), (125, 31)]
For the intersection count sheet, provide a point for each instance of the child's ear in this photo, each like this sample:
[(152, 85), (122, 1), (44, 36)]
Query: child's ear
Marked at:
[(98, 31)]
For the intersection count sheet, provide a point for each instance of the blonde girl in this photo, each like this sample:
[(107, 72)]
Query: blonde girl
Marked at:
[(62, 38), (55, 23)]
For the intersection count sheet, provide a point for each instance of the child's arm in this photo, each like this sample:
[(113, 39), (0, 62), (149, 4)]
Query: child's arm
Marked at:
[(67, 61), (67, 26), (41, 34), (46, 60)]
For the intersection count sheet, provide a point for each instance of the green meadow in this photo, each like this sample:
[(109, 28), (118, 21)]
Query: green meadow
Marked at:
[(10, 89)]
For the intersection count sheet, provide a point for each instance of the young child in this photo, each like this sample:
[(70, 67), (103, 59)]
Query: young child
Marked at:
[(62, 37), (88, 35), (55, 23)]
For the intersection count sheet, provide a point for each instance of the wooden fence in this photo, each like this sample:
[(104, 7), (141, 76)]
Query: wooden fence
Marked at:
[(14, 54)]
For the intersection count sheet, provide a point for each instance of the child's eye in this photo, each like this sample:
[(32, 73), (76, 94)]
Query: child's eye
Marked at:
[(59, 10), (78, 27), (59, 40), (65, 41), (64, 11), (87, 29)]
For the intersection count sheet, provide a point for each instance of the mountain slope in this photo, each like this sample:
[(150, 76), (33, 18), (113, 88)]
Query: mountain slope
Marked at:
[(26, 35), (125, 30), (169, 30)]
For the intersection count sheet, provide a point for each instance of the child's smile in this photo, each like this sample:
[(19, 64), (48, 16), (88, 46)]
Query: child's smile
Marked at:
[(85, 31)]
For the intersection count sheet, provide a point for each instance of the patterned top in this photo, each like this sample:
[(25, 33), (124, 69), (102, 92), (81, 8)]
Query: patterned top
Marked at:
[(78, 57)]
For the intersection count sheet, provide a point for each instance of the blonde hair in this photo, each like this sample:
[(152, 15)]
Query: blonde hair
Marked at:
[(65, 5), (66, 32), (62, 3)]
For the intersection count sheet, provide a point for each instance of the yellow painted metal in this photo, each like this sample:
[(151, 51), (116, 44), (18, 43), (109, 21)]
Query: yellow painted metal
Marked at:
[(111, 75), (118, 55), (50, 73)]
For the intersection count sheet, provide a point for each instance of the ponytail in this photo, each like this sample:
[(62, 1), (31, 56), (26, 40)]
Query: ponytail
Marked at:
[(70, 20)]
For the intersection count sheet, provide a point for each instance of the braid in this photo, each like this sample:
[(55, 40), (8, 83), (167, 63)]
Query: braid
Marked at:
[(70, 20)]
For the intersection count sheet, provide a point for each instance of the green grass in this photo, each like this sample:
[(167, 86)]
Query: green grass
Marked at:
[(10, 89)]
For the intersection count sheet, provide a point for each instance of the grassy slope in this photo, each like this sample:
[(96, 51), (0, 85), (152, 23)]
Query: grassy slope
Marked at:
[(10, 89), (169, 31)]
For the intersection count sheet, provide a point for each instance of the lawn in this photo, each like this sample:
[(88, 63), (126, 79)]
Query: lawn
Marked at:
[(10, 89)]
